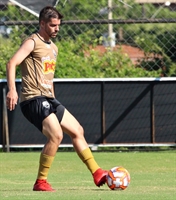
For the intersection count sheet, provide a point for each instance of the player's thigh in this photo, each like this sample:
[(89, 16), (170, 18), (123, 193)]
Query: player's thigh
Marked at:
[(51, 127), (70, 125)]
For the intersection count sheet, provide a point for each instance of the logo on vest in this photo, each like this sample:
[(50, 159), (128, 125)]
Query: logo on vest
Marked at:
[(49, 65)]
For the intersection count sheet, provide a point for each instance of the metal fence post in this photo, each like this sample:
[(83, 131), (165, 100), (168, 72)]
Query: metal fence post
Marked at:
[(6, 145), (152, 112), (103, 119)]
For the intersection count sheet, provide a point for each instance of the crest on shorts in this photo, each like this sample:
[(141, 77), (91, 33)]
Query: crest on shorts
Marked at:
[(46, 104)]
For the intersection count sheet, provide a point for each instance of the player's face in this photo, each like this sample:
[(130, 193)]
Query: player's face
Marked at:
[(51, 28)]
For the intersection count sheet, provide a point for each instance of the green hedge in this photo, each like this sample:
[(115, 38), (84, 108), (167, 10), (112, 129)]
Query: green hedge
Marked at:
[(76, 60)]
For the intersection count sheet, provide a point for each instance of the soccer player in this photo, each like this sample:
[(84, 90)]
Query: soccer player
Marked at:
[(37, 58)]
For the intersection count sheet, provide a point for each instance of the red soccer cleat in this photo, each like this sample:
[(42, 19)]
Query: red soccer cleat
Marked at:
[(42, 185), (99, 177)]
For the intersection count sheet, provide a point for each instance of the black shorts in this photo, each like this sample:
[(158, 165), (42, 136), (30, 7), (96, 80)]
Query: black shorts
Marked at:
[(38, 108)]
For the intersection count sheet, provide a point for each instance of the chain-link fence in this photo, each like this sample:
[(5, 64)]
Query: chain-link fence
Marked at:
[(123, 38), (105, 38)]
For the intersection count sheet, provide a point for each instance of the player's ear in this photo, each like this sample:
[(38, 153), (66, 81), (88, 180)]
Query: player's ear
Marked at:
[(42, 23)]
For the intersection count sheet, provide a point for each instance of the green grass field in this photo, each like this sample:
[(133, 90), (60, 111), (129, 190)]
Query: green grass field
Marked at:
[(153, 176)]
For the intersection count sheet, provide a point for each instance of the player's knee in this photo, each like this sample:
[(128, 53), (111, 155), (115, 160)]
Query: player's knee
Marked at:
[(57, 138), (80, 131), (54, 135)]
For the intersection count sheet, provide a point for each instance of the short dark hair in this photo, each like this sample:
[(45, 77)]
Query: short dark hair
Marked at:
[(49, 12)]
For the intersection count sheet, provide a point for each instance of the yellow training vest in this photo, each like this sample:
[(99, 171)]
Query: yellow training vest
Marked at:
[(38, 69)]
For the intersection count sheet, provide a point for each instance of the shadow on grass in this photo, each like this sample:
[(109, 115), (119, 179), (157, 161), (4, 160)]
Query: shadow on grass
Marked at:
[(59, 189), (83, 189)]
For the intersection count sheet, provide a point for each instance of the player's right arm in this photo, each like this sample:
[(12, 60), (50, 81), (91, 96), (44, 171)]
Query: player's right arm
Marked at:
[(25, 49)]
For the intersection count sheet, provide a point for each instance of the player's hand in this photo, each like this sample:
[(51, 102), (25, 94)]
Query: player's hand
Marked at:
[(11, 99)]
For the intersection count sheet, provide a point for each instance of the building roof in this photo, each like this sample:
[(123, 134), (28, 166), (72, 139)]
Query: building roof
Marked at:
[(3, 1), (31, 6)]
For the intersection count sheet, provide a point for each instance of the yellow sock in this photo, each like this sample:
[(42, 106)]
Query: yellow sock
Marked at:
[(44, 165), (87, 157)]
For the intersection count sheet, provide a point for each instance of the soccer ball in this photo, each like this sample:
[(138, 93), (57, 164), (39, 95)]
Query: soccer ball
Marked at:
[(118, 178)]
